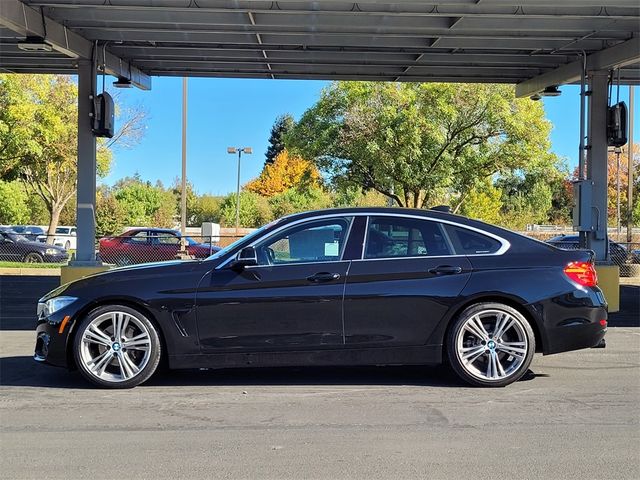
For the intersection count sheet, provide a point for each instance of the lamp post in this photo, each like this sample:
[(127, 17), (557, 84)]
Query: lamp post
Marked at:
[(183, 195), (239, 151)]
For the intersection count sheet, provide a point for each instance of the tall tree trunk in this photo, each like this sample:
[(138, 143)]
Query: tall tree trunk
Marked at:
[(55, 212)]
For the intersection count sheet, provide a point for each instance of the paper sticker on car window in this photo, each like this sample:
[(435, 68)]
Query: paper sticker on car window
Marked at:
[(331, 249)]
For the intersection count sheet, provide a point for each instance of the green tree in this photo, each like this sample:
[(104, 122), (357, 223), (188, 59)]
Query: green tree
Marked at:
[(254, 210), (296, 200), (417, 143), (145, 204), (110, 214), (38, 136), (206, 209), (14, 208), (282, 126), (483, 203)]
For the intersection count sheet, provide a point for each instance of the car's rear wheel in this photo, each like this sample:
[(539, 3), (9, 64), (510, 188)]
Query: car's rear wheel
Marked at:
[(67, 245), (33, 257), (116, 347), (490, 345)]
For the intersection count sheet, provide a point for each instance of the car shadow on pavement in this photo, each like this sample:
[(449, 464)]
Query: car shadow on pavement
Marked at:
[(23, 371)]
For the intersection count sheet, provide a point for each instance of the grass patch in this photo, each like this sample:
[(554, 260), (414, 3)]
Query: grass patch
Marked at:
[(30, 265)]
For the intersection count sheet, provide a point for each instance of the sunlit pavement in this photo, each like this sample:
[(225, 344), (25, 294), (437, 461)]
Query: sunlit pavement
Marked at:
[(576, 415)]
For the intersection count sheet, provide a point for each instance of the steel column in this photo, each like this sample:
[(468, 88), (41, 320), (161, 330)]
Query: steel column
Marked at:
[(597, 163), (86, 196)]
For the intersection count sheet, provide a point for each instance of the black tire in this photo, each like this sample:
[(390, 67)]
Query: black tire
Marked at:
[(154, 352), (67, 245), (33, 257), (458, 331)]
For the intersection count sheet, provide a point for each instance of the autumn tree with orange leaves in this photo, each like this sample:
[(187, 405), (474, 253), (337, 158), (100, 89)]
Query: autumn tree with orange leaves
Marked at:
[(287, 171)]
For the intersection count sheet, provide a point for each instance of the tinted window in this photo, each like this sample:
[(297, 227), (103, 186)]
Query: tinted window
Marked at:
[(319, 241), (389, 237), (138, 238), (167, 238), (470, 242)]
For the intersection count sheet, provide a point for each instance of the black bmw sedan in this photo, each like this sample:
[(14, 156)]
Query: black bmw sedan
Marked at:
[(335, 287)]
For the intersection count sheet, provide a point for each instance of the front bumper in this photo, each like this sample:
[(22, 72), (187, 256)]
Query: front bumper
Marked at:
[(58, 258), (51, 341)]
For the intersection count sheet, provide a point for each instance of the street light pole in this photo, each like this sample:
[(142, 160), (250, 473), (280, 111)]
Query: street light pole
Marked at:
[(240, 151), (183, 196)]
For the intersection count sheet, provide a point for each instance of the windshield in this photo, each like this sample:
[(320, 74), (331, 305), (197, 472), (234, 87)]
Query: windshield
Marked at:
[(16, 237), (246, 238), (62, 230)]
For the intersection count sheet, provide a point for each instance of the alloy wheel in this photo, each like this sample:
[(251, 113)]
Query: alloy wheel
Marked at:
[(492, 345), (115, 346)]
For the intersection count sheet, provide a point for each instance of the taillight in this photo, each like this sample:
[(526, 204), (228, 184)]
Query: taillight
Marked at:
[(583, 273)]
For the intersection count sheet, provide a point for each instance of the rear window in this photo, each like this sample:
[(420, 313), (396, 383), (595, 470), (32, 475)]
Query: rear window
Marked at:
[(470, 242)]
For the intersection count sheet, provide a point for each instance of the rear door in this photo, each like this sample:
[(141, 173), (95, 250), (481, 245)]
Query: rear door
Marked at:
[(405, 282)]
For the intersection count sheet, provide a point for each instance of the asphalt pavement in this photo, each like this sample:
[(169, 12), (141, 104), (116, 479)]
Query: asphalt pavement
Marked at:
[(575, 415)]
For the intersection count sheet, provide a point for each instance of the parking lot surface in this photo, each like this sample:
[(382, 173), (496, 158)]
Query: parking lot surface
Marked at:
[(575, 415)]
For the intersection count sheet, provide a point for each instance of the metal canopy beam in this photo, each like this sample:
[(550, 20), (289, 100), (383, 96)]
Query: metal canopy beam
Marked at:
[(625, 53), (28, 21)]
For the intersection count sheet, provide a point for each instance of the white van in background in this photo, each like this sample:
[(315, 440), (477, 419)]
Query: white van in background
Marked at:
[(64, 237)]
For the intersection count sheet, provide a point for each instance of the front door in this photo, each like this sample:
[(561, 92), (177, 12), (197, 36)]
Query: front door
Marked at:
[(405, 283), (292, 300)]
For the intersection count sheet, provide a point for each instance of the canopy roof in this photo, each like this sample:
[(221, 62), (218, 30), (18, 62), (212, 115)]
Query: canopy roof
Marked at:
[(410, 40)]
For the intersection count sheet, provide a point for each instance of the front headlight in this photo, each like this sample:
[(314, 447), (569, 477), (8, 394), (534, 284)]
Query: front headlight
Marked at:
[(51, 251), (54, 304)]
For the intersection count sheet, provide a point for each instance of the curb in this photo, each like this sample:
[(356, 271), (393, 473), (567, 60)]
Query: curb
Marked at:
[(30, 272)]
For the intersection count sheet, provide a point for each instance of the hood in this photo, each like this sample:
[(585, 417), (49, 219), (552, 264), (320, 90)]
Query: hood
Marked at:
[(41, 245)]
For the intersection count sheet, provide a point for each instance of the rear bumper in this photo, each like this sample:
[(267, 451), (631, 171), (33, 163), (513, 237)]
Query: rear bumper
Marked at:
[(575, 321)]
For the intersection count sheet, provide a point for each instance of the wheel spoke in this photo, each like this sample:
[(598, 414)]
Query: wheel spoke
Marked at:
[(516, 349), (498, 364), (475, 326), (504, 323), (99, 363), (141, 340), (99, 333), (92, 337), (127, 368), (470, 354)]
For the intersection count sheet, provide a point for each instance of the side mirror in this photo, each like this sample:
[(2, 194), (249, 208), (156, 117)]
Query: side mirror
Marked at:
[(246, 257)]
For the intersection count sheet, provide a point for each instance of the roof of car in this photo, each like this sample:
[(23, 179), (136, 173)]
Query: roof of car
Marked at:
[(149, 229)]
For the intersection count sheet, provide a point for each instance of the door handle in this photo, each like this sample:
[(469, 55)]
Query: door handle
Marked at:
[(323, 277), (445, 270)]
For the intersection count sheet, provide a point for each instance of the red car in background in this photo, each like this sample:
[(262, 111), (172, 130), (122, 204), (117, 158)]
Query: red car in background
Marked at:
[(143, 245)]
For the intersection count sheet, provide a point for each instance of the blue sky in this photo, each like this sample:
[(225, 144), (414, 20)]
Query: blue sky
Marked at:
[(238, 112)]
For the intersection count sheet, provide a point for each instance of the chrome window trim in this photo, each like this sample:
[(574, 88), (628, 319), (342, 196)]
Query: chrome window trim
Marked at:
[(505, 243)]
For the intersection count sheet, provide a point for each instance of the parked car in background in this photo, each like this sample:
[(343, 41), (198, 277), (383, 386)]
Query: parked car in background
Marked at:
[(18, 248), (143, 245), (31, 232), (352, 286), (618, 253), (64, 237)]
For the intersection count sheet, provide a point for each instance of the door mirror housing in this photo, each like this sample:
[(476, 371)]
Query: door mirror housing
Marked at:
[(246, 257)]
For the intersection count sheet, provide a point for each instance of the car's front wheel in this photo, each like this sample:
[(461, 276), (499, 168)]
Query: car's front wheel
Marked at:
[(116, 347), (490, 345), (33, 257)]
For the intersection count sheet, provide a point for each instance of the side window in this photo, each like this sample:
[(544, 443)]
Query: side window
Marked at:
[(165, 238), (139, 238), (389, 237), (316, 241), (470, 242)]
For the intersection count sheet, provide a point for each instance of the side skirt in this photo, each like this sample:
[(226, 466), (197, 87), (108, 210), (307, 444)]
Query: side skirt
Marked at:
[(422, 355)]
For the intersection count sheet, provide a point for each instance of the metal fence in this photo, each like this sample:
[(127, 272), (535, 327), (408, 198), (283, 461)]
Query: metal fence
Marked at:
[(136, 247), (146, 248)]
